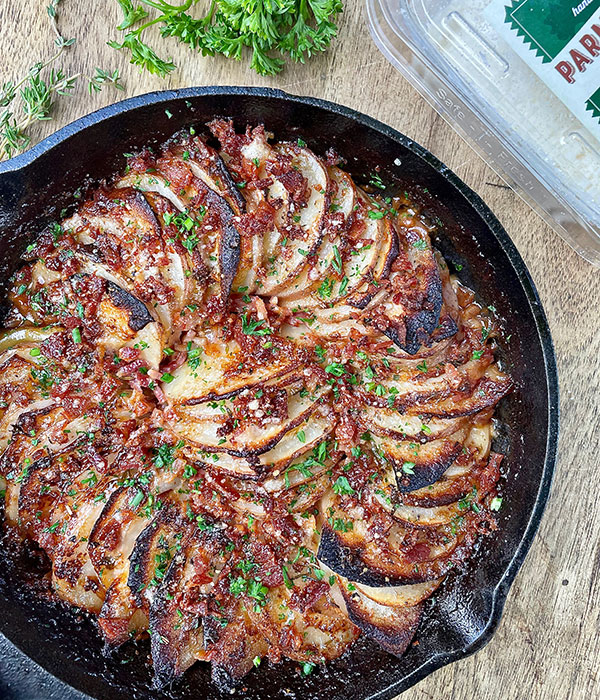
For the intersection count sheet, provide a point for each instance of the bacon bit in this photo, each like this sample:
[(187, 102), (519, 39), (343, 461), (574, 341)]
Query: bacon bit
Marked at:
[(304, 598), (258, 305), (295, 232), (261, 184), (114, 629), (335, 222), (108, 387), (175, 361), (110, 535), (268, 561), (154, 289), (455, 378), (332, 157), (232, 143), (193, 600), (142, 162), (297, 185), (491, 473), (290, 638), (201, 150), (260, 221), (282, 527), (54, 346), (107, 249), (62, 261), (224, 485), (260, 407), (43, 246), (90, 290), (420, 552), (22, 276), (176, 172)]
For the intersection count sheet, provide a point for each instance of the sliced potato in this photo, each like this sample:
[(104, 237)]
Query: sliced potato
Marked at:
[(340, 212), (306, 436), (301, 231), (418, 466), (353, 551), (119, 232), (220, 370), (250, 438), (177, 634), (392, 627), (399, 426)]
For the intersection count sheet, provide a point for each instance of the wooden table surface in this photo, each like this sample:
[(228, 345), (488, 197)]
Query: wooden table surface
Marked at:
[(548, 643)]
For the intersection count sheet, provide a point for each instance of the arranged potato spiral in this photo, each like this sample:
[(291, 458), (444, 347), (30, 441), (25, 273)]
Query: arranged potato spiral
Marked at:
[(245, 409)]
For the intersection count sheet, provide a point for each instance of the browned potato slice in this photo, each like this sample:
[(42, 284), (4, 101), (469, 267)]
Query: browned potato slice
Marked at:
[(349, 548)]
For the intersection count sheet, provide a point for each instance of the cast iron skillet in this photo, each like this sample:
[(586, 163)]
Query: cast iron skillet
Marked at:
[(35, 187)]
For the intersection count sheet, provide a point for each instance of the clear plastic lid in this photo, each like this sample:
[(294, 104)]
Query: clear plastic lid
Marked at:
[(520, 81)]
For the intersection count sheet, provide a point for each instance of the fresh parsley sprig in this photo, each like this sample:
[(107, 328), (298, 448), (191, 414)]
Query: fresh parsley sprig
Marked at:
[(270, 29)]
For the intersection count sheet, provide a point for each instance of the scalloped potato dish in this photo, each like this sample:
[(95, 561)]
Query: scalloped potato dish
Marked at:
[(246, 410)]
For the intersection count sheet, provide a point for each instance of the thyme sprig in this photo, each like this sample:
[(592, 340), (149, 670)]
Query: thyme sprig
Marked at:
[(271, 29), (32, 98)]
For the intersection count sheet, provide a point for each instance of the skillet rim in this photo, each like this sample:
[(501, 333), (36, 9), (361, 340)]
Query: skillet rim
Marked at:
[(499, 594)]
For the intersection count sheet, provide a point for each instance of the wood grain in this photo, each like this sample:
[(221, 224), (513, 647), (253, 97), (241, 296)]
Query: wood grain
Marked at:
[(548, 644)]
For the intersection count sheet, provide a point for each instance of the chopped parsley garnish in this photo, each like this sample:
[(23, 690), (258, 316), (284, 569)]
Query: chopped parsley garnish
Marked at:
[(376, 181), (325, 288), (286, 577), (193, 358), (254, 588), (257, 328), (137, 499), (342, 487), (496, 503), (341, 525), (336, 263), (190, 242), (164, 456), (336, 368), (408, 467)]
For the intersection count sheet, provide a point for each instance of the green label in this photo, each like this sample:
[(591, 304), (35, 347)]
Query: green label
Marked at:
[(593, 105), (548, 25), (560, 42)]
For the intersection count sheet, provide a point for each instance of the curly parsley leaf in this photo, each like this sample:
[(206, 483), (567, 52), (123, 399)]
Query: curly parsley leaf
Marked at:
[(143, 55), (269, 29)]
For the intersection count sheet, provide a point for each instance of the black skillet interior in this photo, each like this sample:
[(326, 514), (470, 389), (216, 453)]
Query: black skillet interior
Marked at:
[(35, 187)]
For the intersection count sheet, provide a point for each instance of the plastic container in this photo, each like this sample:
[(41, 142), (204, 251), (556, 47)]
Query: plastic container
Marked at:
[(480, 68)]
